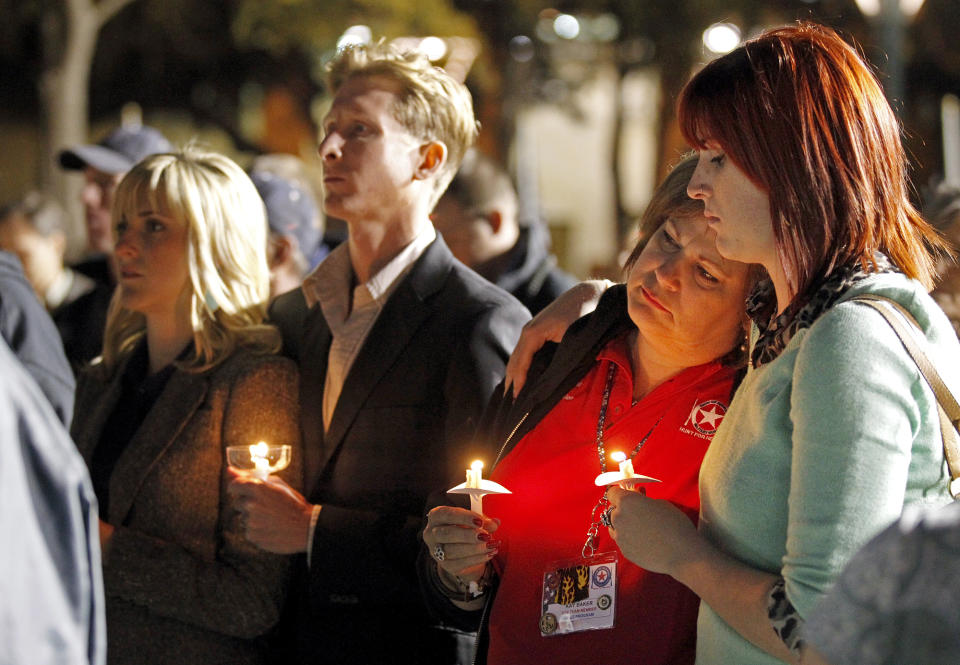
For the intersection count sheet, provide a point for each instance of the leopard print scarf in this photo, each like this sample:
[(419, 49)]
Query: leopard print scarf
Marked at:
[(776, 332)]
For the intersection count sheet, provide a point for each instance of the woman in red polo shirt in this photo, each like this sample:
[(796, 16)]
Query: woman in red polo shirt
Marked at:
[(648, 374)]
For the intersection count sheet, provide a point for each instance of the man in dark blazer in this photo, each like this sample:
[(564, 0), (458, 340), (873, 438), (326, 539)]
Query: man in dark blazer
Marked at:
[(399, 347)]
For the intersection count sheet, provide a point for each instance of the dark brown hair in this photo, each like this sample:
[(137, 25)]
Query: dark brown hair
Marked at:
[(669, 200), (803, 116)]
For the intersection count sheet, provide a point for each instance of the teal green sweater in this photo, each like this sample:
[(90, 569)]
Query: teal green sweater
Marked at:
[(821, 449)]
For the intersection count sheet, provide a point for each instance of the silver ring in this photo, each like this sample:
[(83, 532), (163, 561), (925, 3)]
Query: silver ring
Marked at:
[(438, 553), (605, 517)]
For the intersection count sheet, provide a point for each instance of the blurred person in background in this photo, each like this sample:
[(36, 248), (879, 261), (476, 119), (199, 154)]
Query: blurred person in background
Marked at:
[(188, 368), (34, 228), (941, 207), (478, 217), (296, 223), (32, 336), (896, 600), (103, 165), (51, 589)]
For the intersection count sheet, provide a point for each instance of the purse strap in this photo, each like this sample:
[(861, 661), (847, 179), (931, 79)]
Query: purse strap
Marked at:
[(947, 406)]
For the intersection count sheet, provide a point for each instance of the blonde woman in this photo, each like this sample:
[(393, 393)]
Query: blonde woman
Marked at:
[(188, 368)]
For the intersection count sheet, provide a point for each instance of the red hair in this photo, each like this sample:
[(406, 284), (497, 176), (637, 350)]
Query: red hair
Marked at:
[(803, 116)]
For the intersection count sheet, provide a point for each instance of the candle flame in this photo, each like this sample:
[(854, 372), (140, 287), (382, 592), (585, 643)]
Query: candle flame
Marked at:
[(259, 450), (618, 457), (477, 465)]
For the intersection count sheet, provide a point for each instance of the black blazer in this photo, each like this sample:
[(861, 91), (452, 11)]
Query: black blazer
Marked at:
[(402, 428)]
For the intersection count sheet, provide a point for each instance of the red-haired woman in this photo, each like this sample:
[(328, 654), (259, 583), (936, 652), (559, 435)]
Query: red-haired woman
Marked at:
[(833, 430)]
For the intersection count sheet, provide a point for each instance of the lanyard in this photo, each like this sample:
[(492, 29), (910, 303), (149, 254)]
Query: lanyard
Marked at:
[(589, 547)]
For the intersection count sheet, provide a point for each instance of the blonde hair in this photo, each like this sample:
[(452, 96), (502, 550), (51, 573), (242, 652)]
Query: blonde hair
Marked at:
[(226, 251), (431, 104)]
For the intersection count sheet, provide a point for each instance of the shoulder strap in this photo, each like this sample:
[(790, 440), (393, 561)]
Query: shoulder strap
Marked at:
[(947, 405)]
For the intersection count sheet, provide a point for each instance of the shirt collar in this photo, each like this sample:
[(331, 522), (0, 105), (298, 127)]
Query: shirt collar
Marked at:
[(333, 279)]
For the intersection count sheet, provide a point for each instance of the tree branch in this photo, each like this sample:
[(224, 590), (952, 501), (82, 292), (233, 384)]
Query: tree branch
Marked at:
[(107, 9)]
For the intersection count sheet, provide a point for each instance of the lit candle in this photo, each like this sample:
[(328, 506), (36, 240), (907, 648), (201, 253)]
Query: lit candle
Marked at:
[(626, 465), (475, 475), (476, 487), (475, 481), (259, 456)]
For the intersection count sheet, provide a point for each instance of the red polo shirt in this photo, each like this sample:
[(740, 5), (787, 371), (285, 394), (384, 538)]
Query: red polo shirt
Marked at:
[(551, 473)]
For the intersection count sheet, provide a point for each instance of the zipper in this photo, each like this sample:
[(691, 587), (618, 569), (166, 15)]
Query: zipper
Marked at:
[(484, 617), (503, 447)]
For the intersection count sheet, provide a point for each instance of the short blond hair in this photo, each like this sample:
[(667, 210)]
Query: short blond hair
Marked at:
[(226, 249), (431, 104)]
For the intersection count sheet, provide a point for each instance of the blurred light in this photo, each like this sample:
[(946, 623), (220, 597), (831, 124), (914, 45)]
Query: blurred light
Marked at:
[(355, 35), (433, 47), (721, 37), (566, 26), (636, 50), (908, 8), (606, 27), (521, 48), (545, 31), (555, 90)]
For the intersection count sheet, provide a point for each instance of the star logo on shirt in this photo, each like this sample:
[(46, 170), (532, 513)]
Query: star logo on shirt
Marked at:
[(705, 417)]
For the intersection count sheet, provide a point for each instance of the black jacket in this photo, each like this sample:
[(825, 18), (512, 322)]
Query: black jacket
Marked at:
[(533, 277), (403, 426), (555, 370)]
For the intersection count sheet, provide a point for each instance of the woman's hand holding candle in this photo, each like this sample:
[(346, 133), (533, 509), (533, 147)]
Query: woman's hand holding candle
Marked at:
[(652, 533), (466, 540), (275, 517)]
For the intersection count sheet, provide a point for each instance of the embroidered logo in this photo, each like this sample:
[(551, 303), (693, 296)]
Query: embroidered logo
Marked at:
[(705, 418), (601, 576)]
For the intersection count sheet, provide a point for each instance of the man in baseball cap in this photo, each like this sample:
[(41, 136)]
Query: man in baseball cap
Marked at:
[(296, 230), (104, 164)]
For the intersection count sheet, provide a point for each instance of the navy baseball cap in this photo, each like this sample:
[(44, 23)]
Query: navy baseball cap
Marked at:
[(291, 210), (118, 151)]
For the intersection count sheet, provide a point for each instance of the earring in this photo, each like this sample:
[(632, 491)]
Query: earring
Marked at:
[(211, 301)]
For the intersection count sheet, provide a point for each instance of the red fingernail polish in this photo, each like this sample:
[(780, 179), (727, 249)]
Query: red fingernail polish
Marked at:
[(483, 536)]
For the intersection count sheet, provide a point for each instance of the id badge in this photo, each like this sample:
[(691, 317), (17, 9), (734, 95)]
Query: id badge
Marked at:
[(579, 594)]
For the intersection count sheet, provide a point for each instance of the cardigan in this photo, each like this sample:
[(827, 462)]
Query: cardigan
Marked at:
[(821, 448), (182, 583)]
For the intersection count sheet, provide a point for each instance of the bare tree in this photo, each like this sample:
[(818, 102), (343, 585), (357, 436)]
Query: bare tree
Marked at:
[(69, 30)]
